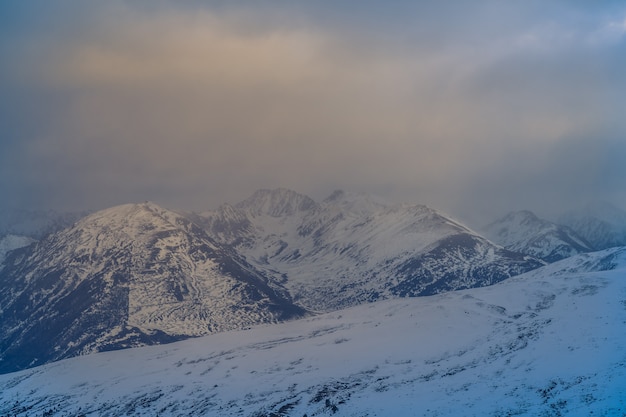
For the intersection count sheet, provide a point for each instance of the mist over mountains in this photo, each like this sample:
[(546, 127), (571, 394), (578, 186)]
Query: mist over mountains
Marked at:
[(140, 274), (169, 281)]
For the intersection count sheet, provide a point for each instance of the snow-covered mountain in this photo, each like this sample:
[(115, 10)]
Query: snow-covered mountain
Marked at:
[(522, 231), (352, 248), (546, 343), (126, 276), (600, 223)]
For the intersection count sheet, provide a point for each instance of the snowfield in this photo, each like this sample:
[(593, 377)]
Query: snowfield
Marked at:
[(550, 342)]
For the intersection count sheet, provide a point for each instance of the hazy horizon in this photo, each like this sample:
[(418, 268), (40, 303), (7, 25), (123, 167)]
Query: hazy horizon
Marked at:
[(475, 109)]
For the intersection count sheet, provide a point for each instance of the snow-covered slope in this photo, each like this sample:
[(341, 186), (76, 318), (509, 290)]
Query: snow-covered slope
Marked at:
[(522, 231), (353, 248), (130, 275), (546, 343), (601, 224)]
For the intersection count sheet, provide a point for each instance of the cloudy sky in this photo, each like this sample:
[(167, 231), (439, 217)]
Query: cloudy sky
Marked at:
[(475, 108)]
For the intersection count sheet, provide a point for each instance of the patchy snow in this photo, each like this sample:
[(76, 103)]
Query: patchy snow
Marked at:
[(130, 275), (549, 342)]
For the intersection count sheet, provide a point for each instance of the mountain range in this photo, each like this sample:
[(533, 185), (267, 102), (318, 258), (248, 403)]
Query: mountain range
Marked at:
[(140, 274), (546, 343), (352, 248)]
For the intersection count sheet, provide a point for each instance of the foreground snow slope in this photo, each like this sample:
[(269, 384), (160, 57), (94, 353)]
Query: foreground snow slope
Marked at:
[(550, 342)]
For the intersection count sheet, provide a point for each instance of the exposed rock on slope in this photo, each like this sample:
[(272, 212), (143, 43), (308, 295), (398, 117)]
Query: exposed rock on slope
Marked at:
[(130, 275)]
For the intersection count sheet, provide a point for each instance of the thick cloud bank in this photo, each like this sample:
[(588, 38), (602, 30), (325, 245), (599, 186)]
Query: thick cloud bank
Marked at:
[(475, 109)]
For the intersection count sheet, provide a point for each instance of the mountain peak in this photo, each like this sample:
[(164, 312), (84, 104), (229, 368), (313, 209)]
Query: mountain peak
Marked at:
[(522, 231), (522, 217), (276, 203), (129, 208), (601, 223), (336, 195), (362, 203), (126, 215)]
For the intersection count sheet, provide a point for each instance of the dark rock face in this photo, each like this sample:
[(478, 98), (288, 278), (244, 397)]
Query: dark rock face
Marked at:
[(456, 264)]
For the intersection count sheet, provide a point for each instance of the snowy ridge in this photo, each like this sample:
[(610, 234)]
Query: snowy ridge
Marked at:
[(549, 342), (276, 203), (522, 231), (359, 203)]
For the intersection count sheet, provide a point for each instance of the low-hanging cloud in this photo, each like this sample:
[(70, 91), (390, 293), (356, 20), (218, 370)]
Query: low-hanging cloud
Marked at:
[(194, 107)]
